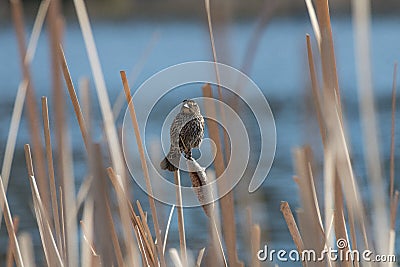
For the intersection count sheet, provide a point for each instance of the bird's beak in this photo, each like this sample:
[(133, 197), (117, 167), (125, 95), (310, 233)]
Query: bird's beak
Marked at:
[(185, 105)]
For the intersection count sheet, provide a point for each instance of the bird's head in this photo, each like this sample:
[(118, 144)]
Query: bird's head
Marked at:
[(190, 107)]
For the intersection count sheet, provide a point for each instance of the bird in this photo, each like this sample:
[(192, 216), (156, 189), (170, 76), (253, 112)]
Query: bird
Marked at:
[(186, 133)]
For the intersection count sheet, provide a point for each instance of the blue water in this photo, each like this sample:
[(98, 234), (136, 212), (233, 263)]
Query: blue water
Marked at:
[(279, 69)]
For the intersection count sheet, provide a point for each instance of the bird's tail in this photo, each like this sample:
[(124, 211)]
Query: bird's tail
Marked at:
[(171, 161)]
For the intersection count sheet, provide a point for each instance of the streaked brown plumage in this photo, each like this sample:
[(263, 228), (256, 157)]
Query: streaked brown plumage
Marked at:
[(186, 133)]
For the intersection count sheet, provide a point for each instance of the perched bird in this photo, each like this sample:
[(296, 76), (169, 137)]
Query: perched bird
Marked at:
[(186, 132)]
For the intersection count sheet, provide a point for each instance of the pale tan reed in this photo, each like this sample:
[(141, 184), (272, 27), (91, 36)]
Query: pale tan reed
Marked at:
[(74, 98), (31, 105), (10, 226), (49, 244), (9, 255), (293, 229), (181, 220), (125, 219), (200, 257), (392, 133), (50, 166), (144, 167), (228, 211), (20, 98), (26, 244)]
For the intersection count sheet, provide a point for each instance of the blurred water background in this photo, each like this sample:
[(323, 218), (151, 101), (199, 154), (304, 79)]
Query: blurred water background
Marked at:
[(280, 69)]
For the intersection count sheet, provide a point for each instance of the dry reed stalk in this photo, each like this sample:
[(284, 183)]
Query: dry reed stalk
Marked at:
[(392, 132), (31, 105), (226, 201), (26, 244), (339, 219), (329, 163), (314, 22), (200, 257), (83, 191), (352, 226), (255, 244), (69, 200), (64, 157), (55, 30), (333, 117), (94, 211), (12, 138), (303, 224), (63, 228), (84, 95), (10, 226), (141, 222), (175, 257), (313, 233), (218, 241), (394, 210), (315, 203), (142, 226), (74, 98), (228, 210), (50, 166), (142, 250), (87, 246), (181, 221), (316, 91), (142, 238), (144, 167), (145, 230), (291, 223), (84, 92), (99, 194), (114, 237), (222, 110), (49, 245), (100, 85), (9, 255), (55, 33), (93, 258), (249, 225), (392, 232), (361, 23), (349, 185), (167, 228), (20, 99), (125, 218), (353, 236), (329, 74)]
